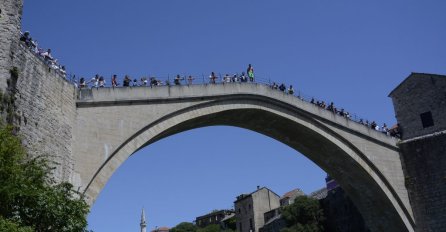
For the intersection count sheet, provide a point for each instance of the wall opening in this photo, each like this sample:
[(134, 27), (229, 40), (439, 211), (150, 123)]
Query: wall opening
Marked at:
[(426, 119)]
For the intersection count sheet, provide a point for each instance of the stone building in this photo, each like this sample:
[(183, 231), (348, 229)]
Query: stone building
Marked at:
[(273, 221), (340, 212), (420, 107), (273, 218), (216, 217), (288, 198), (420, 104), (250, 209)]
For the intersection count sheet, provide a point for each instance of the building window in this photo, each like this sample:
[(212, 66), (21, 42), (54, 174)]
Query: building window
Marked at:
[(240, 226), (239, 211), (250, 224), (426, 119)]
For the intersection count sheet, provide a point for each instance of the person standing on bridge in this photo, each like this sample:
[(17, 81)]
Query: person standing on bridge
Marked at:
[(82, 83), (243, 78), (291, 90), (114, 81), (189, 80), (95, 81), (178, 80), (250, 71), (282, 88), (212, 78), (101, 82), (126, 81)]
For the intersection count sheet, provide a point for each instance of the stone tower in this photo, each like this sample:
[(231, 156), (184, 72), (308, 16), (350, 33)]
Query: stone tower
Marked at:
[(10, 24), (143, 223), (420, 107)]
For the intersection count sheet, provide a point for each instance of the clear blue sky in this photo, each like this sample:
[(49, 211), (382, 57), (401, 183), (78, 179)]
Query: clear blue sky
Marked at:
[(350, 52)]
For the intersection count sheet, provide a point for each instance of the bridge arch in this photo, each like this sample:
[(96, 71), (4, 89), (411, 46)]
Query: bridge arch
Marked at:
[(344, 153)]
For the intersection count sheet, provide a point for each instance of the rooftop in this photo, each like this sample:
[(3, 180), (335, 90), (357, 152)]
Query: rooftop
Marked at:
[(417, 75), (292, 193), (244, 196), (319, 194)]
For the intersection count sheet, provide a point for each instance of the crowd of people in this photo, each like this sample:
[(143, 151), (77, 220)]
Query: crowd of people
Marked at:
[(394, 131), (99, 81), (43, 54)]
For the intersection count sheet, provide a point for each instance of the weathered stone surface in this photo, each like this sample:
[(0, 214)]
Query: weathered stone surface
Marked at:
[(417, 94), (46, 110), (250, 209), (10, 16), (423, 149), (44, 106), (425, 169)]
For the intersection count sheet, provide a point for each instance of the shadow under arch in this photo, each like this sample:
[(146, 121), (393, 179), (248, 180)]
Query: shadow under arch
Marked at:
[(374, 196)]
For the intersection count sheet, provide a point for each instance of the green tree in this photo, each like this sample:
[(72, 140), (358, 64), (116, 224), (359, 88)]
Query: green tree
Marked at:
[(210, 228), (6, 225), (29, 196), (184, 227), (231, 224), (304, 215)]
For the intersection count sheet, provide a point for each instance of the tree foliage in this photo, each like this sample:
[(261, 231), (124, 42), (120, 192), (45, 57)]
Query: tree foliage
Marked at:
[(304, 215), (29, 197), (231, 224), (190, 227), (6, 225), (210, 228), (184, 227)]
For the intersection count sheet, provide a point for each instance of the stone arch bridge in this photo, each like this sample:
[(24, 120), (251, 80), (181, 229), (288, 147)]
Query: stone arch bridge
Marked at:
[(113, 123)]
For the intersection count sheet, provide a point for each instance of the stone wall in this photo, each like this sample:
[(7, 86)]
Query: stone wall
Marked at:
[(44, 111), (264, 200), (420, 106), (243, 213), (340, 213), (420, 93), (10, 18), (424, 165), (40, 103)]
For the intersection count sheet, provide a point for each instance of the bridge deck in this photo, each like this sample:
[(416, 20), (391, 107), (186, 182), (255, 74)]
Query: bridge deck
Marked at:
[(164, 94)]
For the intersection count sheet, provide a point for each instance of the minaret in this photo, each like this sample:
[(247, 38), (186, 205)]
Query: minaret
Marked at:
[(143, 221)]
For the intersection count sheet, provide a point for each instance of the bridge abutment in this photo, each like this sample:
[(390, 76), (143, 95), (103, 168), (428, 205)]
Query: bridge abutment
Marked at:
[(420, 106), (35, 99)]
